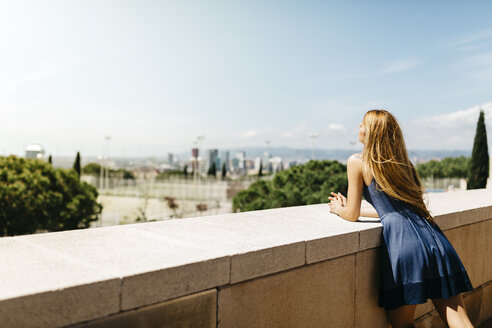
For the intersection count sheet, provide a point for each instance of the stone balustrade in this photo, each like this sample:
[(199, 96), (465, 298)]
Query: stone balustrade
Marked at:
[(289, 267)]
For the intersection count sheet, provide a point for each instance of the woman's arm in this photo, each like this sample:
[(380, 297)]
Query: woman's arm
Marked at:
[(368, 211), (350, 210)]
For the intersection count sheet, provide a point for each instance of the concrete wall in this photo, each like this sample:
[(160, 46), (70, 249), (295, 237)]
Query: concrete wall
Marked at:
[(290, 267)]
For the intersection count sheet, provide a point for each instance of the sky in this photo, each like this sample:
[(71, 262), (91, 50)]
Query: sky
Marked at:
[(155, 75)]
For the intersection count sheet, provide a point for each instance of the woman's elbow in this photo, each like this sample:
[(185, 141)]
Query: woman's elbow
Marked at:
[(352, 217)]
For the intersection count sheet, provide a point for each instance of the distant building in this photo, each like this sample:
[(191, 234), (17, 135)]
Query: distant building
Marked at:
[(291, 164), (35, 151), (218, 163), (212, 155), (224, 158), (171, 158), (276, 164), (241, 156), (267, 166), (249, 164), (235, 163)]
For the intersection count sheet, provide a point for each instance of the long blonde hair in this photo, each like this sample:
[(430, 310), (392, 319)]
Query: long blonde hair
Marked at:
[(385, 156)]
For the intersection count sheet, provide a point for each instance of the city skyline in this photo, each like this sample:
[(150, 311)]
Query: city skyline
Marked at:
[(155, 75)]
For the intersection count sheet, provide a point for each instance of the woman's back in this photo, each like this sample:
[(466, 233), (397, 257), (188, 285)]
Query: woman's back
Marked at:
[(418, 262)]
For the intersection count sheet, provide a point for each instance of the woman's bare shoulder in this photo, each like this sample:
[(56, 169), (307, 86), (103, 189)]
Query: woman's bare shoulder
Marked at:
[(355, 161), (355, 157)]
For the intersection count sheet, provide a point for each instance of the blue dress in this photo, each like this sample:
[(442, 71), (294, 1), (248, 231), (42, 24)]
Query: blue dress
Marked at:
[(418, 261)]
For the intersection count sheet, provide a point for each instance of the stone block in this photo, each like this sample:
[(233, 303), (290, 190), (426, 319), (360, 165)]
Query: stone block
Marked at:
[(424, 321), (473, 251), (265, 261), (370, 238), (367, 311), (61, 307), (316, 295), (196, 310), (454, 237), (487, 255), (486, 308), (152, 267), (473, 304), (430, 320), (487, 212), (448, 220), (422, 309), (469, 204), (39, 288), (446, 212), (330, 247), (472, 215), (156, 286)]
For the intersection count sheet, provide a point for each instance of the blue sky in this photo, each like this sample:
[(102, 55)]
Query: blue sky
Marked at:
[(156, 74)]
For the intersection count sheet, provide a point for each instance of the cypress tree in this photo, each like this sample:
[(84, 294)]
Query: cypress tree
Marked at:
[(50, 160), (224, 171), (76, 164), (479, 163), (212, 170), (260, 172)]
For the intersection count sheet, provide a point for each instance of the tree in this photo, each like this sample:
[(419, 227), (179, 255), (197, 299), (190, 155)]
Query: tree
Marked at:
[(185, 171), (449, 167), (224, 171), (95, 170), (50, 160), (171, 203), (212, 170), (34, 195), (76, 164), (310, 183), (201, 207), (260, 171), (479, 164)]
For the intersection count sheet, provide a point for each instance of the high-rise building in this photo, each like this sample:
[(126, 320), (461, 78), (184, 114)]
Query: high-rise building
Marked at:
[(266, 158), (235, 163), (211, 158), (170, 158), (224, 158), (241, 156)]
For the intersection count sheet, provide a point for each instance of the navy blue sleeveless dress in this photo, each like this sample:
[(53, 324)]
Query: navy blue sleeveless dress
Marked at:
[(418, 261)]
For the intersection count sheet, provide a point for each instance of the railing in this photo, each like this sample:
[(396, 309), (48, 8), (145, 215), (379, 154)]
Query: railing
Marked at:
[(290, 267)]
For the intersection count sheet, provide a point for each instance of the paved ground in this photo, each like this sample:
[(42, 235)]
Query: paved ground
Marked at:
[(121, 210)]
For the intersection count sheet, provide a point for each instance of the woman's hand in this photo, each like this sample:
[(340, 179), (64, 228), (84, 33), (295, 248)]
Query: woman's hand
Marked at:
[(337, 202)]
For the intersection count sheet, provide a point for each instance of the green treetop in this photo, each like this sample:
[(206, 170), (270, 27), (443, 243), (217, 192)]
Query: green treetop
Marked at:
[(479, 164)]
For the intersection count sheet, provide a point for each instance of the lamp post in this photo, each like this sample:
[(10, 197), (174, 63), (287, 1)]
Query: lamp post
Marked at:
[(196, 159), (106, 184), (266, 156)]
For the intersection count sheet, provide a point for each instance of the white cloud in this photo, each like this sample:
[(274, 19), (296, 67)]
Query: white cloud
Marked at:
[(480, 65), (451, 131), (301, 130), (11, 84), (470, 41), (333, 127), (249, 134), (400, 65), (288, 134)]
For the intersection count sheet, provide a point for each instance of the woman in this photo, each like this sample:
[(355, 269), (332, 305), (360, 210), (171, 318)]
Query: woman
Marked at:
[(418, 262)]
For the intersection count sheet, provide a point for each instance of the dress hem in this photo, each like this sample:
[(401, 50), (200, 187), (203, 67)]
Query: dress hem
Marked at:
[(420, 292)]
